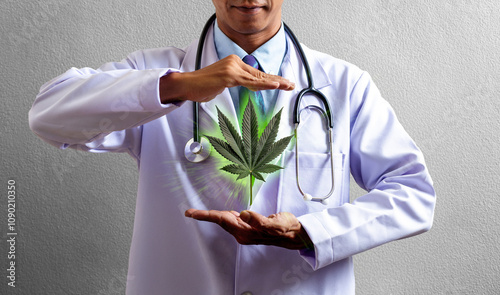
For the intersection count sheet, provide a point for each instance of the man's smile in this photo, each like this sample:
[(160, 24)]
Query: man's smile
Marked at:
[(249, 9)]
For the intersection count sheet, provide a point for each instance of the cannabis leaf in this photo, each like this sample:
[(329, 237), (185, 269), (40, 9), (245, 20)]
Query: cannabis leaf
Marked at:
[(249, 153)]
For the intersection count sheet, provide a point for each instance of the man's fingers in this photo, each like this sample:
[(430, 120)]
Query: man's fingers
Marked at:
[(215, 216), (204, 215), (268, 82), (257, 80), (189, 212), (196, 214)]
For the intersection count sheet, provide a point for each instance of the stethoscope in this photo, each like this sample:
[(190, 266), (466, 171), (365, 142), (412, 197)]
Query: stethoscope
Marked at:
[(198, 148)]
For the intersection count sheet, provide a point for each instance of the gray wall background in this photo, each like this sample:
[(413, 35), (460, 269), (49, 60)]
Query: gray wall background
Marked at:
[(435, 61)]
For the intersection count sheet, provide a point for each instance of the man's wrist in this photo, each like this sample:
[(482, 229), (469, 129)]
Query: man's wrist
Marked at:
[(304, 238), (171, 88)]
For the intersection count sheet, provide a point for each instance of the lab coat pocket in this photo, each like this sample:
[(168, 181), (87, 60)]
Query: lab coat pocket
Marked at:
[(315, 179)]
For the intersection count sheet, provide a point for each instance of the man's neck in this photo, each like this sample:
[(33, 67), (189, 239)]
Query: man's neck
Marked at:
[(249, 42)]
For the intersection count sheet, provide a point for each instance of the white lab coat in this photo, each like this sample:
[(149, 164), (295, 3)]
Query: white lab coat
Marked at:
[(116, 108)]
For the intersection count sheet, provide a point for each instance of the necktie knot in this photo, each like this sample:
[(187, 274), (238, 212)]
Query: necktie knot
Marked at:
[(251, 61)]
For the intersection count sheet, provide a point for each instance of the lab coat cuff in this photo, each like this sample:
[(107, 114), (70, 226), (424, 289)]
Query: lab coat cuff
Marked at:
[(323, 250), (150, 90)]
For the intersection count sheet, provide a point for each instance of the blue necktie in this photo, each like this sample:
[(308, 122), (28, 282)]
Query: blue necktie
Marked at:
[(246, 94)]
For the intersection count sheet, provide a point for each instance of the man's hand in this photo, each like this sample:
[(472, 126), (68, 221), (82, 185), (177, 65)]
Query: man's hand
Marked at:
[(250, 228), (206, 83)]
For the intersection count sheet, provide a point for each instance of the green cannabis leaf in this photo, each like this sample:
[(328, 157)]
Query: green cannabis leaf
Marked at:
[(249, 153)]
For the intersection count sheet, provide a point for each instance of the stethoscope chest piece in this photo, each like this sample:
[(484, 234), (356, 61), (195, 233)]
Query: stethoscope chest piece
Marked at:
[(197, 151)]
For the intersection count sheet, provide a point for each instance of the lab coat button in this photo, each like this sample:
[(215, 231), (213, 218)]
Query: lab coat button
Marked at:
[(246, 293)]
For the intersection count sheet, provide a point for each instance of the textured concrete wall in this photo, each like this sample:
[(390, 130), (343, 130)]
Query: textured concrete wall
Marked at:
[(435, 61)]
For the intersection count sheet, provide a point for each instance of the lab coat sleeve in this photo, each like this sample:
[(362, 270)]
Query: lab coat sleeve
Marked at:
[(102, 109), (387, 164)]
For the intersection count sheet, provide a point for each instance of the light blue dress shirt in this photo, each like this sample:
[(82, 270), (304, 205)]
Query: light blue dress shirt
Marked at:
[(270, 57)]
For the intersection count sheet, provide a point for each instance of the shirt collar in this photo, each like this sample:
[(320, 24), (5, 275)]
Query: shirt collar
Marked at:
[(270, 55)]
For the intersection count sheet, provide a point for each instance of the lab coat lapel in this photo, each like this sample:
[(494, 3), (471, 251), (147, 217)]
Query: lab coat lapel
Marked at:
[(223, 101)]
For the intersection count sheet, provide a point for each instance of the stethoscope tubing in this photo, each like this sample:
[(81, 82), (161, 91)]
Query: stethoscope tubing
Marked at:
[(310, 88), (201, 43)]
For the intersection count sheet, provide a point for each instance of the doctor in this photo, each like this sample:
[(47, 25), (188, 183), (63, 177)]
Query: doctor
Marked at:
[(143, 106)]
